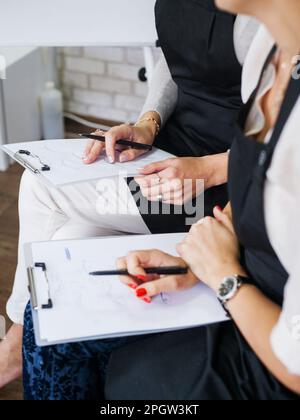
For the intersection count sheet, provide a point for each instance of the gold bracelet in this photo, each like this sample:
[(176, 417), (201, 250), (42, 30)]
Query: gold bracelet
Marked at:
[(149, 120)]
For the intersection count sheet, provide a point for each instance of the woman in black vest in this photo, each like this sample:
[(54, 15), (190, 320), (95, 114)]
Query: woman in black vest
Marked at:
[(197, 43), (233, 360)]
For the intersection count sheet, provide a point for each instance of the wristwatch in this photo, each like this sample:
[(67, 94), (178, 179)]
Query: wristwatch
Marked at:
[(229, 289)]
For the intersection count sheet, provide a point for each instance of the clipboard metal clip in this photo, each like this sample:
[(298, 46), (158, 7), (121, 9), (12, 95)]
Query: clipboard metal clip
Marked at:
[(18, 156), (34, 287)]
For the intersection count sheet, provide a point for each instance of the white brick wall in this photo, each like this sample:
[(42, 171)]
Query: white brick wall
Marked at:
[(103, 82), (84, 65)]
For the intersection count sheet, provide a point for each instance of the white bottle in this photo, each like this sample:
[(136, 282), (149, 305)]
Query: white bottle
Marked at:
[(52, 113)]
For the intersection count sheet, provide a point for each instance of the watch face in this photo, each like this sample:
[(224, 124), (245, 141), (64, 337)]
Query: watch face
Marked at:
[(227, 287)]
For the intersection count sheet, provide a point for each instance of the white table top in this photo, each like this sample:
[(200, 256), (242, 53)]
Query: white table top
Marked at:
[(77, 22)]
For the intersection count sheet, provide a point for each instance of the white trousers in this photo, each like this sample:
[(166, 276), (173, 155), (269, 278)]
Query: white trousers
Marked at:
[(72, 212)]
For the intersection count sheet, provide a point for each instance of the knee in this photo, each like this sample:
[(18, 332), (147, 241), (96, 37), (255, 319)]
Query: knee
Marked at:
[(30, 184), (28, 180)]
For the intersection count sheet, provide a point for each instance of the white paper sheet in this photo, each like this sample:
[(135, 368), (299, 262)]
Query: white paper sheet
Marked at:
[(86, 307), (65, 160)]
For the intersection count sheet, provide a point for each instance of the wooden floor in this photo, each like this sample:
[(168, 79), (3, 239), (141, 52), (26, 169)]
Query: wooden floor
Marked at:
[(9, 186)]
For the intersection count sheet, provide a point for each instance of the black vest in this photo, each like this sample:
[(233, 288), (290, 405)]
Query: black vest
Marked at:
[(197, 41)]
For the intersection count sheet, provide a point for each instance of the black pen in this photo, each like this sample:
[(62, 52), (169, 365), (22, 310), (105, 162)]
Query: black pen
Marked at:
[(127, 143), (163, 271)]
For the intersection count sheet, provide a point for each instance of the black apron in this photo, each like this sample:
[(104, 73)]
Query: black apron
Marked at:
[(215, 362), (197, 41)]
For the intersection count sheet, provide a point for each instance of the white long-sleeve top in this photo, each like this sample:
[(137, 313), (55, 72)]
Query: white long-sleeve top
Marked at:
[(281, 199), (163, 92)]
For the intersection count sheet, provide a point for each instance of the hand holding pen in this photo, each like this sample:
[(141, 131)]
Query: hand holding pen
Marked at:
[(143, 134), (146, 286)]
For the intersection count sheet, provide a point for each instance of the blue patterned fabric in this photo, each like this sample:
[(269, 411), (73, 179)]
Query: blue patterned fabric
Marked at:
[(67, 371)]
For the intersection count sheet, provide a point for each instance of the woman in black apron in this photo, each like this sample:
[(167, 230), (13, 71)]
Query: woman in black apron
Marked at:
[(197, 41), (216, 362), (213, 362)]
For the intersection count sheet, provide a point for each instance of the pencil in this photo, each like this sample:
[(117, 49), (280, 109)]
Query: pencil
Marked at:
[(127, 143), (163, 271)]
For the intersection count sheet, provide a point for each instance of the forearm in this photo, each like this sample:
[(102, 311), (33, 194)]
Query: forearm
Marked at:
[(215, 167), (256, 316), (163, 92)]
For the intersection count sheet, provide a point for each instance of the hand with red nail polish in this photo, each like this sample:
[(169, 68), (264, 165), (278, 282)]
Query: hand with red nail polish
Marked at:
[(136, 262)]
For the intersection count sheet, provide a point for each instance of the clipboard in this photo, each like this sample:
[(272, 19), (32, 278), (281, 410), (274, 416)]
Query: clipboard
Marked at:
[(70, 306), (59, 162)]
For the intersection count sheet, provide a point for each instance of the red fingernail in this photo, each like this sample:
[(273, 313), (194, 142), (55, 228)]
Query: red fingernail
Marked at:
[(132, 286), (141, 292), (142, 278), (218, 208), (147, 300)]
